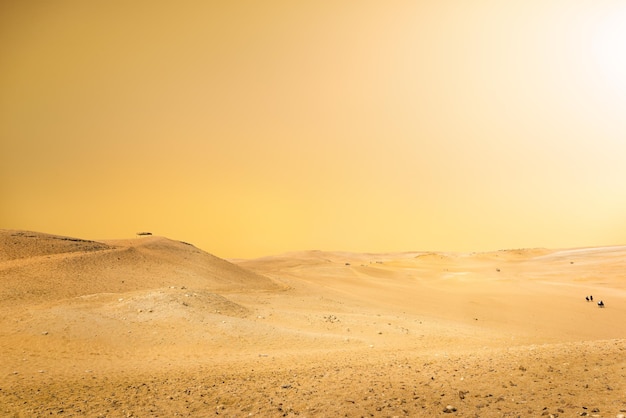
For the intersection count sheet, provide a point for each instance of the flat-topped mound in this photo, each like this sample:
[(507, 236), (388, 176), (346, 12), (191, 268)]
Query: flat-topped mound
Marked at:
[(26, 244), (42, 267)]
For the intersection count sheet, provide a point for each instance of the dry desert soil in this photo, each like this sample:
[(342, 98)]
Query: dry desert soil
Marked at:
[(154, 327)]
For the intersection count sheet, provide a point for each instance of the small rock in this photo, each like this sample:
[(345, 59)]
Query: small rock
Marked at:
[(449, 409), (44, 333)]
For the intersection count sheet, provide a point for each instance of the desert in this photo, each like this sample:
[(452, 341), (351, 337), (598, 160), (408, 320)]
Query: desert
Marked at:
[(154, 327), (313, 208)]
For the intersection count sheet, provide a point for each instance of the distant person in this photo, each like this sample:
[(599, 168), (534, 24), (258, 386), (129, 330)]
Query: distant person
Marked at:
[(591, 298), (601, 304)]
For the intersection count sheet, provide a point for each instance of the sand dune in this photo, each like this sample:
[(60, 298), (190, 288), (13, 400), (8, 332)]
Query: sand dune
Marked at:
[(531, 294), (30, 245), (156, 327), (42, 267)]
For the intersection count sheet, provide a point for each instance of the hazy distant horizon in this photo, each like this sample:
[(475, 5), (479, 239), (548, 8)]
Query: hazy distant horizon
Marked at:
[(253, 129)]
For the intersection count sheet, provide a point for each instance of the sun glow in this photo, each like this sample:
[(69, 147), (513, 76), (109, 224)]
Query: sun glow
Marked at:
[(609, 49), (253, 129)]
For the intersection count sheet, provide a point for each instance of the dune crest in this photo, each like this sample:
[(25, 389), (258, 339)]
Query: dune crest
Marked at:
[(27, 244)]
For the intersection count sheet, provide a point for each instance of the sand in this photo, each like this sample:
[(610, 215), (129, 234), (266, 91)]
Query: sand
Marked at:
[(150, 326)]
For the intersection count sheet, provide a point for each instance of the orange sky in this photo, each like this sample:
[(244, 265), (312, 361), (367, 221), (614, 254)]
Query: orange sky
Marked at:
[(250, 128)]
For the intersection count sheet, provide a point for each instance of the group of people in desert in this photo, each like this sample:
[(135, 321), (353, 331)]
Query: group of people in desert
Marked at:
[(590, 299)]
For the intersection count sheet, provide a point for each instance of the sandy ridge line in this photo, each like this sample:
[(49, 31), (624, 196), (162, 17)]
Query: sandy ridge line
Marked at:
[(586, 251), (42, 259)]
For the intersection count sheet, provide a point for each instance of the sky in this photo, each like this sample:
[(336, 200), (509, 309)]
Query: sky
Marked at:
[(253, 128)]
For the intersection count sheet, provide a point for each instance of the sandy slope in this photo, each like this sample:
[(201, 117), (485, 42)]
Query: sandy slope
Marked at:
[(156, 327)]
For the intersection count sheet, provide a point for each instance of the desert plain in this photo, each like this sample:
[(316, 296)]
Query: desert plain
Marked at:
[(155, 327)]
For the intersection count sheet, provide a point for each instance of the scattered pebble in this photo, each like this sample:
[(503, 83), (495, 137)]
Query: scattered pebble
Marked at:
[(449, 409)]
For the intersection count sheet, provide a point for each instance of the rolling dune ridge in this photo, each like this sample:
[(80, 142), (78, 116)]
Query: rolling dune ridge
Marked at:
[(156, 327)]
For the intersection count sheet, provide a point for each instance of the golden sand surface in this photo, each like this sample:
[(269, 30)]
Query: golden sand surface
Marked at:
[(153, 327)]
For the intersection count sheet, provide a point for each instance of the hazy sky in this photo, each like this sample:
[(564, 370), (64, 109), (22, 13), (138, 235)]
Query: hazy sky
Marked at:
[(255, 127)]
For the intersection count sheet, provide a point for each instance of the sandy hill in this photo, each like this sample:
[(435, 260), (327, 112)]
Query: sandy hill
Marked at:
[(156, 327), (26, 244), (42, 267)]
